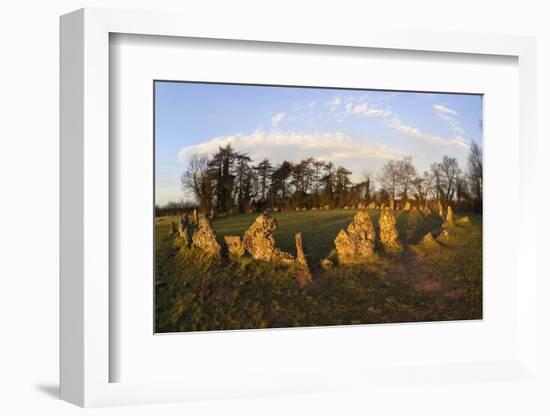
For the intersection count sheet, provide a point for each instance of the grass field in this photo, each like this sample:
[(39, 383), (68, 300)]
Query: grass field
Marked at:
[(195, 292), (319, 228)]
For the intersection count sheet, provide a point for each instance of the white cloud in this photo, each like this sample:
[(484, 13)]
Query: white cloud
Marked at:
[(335, 103), (444, 110), (276, 120), (365, 109), (428, 138), (451, 117), (338, 147)]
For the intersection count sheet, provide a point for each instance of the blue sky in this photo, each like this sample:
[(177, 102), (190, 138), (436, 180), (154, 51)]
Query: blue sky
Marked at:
[(358, 129)]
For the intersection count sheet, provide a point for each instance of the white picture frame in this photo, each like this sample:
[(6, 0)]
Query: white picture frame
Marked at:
[(85, 217)]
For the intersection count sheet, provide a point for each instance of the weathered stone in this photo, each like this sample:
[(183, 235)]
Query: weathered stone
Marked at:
[(356, 243), (173, 227), (185, 234), (372, 205), (326, 206), (259, 242), (314, 208), (440, 209), (303, 275), (414, 208), (428, 242), (283, 257), (204, 238), (184, 229), (346, 207), (300, 252), (326, 263), (195, 216), (234, 245), (463, 221), (297, 209), (185, 219), (382, 206), (449, 219), (303, 208), (392, 204), (388, 231), (407, 206)]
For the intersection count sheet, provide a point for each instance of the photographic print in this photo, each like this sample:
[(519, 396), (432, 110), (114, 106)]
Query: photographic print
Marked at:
[(289, 206)]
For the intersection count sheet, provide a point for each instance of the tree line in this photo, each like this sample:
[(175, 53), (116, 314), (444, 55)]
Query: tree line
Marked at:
[(230, 181)]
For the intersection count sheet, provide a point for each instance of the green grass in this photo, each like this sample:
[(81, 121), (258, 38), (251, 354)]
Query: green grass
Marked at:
[(195, 292), (319, 228)]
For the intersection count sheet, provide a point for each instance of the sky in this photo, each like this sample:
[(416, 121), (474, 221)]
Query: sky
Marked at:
[(357, 129)]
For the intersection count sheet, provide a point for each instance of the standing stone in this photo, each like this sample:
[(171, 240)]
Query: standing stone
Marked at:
[(392, 204), (382, 206), (463, 221), (185, 234), (259, 242), (449, 219), (184, 229), (428, 242), (303, 275), (356, 243), (173, 227), (205, 238), (388, 232), (185, 219), (326, 263), (407, 206), (440, 209), (372, 205), (195, 216), (300, 252), (234, 245)]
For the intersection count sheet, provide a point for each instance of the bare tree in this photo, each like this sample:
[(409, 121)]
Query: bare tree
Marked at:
[(389, 177), (475, 175), (449, 173), (423, 185), (406, 173), (196, 181)]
